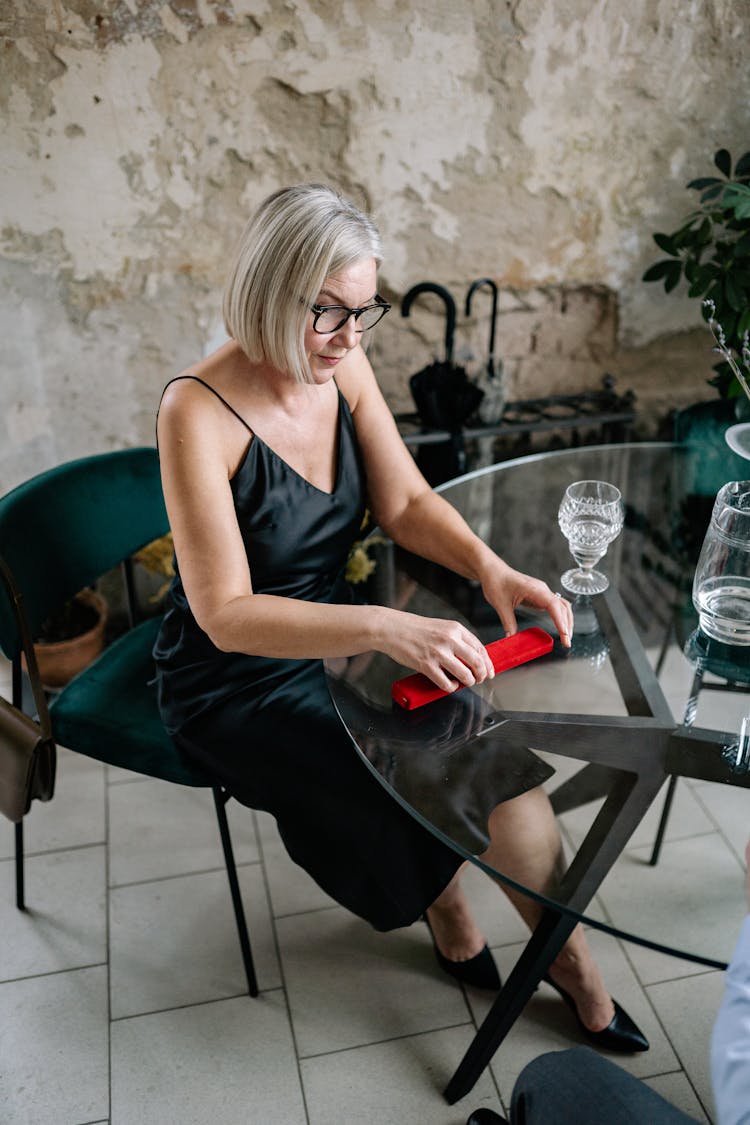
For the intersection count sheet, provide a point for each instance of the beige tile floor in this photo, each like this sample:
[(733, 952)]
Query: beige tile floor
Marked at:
[(121, 987)]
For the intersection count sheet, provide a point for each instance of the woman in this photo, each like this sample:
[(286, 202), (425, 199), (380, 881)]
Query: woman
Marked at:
[(270, 448)]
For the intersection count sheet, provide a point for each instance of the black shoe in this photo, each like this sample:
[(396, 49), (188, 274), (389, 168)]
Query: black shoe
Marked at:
[(486, 1117), (620, 1035), (479, 972)]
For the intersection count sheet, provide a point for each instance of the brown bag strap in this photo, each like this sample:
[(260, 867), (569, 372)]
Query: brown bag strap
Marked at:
[(27, 644)]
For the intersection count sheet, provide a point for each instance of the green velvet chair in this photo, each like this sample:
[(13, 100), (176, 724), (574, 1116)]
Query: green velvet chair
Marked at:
[(59, 532), (710, 464)]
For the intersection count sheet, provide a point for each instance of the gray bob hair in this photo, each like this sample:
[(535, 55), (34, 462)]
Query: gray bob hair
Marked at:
[(297, 238)]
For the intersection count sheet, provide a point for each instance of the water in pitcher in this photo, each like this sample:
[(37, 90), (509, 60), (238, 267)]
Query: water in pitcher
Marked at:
[(721, 588), (723, 604)]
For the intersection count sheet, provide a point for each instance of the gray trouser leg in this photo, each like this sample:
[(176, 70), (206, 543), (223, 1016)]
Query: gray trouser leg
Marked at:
[(579, 1087)]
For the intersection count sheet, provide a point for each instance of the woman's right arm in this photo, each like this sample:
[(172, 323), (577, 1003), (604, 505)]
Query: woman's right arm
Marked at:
[(218, 584)]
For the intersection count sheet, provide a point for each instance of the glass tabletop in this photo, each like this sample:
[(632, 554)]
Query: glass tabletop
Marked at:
[(641, 696)]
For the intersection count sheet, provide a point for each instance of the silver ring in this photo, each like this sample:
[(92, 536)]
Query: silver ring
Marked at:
[(558, 595)]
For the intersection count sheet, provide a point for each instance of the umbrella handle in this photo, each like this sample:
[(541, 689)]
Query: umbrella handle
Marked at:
[(472, 289), (450, 310)]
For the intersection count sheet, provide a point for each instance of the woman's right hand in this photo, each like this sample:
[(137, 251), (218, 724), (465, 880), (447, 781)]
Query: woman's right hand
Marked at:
[(446, 652)]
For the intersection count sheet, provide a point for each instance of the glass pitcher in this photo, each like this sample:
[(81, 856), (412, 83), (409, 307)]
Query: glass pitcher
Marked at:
[(721, 587)]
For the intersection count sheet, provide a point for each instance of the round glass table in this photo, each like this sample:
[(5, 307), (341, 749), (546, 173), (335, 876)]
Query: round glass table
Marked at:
[(641, 699)]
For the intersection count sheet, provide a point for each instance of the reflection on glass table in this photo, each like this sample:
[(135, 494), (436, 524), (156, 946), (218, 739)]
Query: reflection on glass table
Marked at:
[(596, 715)]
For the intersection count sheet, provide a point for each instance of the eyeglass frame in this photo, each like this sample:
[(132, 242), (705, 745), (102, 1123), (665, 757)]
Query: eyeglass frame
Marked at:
[(318, 310)]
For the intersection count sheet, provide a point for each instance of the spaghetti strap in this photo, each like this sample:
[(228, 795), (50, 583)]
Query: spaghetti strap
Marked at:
[(213, 391)]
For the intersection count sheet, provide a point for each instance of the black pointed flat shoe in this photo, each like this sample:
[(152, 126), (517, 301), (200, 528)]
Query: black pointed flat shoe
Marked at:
[(479, 971), (620, 1035)]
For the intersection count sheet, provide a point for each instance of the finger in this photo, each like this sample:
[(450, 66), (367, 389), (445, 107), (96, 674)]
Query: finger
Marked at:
[(508, 620), (441, 679), (478, 659), (561, 612), (460, 670)]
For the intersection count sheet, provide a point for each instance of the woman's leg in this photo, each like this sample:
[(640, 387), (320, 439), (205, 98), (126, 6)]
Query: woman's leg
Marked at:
[(525, 845), (456, 934)]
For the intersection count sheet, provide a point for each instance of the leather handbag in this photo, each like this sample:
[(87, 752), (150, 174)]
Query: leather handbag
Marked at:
[(28, 755)]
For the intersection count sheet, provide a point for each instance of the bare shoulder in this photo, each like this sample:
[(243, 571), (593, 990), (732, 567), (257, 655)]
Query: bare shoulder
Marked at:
[(195, 428), (200, 399), (188, 413), (355, 379)]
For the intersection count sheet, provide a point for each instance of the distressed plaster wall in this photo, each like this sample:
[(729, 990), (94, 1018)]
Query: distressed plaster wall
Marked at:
[(538, 142)]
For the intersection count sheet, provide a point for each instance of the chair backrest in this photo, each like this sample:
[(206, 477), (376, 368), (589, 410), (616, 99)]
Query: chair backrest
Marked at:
[(702, 427), (66, 527)]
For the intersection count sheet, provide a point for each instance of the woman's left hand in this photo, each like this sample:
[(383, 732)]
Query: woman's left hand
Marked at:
[(505, 588)]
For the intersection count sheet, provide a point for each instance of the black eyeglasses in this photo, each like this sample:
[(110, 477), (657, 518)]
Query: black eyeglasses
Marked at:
[(331, 318)]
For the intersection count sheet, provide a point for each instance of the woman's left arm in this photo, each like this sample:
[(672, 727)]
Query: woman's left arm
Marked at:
[(420, 520)]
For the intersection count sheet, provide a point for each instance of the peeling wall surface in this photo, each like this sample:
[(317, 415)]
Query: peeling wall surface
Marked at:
[(536, 142)]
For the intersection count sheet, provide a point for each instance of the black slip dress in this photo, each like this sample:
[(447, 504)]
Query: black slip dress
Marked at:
[(266, 727)]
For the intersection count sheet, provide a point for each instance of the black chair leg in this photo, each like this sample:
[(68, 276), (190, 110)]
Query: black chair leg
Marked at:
[(220, 800), (20, 900), (663, 822)]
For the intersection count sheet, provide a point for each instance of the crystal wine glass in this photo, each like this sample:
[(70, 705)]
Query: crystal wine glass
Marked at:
[(591, 516)]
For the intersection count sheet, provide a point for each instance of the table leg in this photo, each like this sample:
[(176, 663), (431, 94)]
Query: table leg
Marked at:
[(546, 942), (628, 800)]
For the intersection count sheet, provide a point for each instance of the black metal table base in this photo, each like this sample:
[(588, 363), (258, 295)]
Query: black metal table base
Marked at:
[(628, 759)]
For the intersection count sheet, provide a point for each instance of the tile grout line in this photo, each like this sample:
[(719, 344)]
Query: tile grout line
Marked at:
[(392, 1039), (54, 972), (193, 1004), (180, 875), (682, 1068)]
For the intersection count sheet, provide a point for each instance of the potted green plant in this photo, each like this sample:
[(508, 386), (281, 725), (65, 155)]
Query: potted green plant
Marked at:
[(710, 250), (71, 638)]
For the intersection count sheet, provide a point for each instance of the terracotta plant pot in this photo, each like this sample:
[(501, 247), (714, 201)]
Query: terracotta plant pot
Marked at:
[(60, 661)]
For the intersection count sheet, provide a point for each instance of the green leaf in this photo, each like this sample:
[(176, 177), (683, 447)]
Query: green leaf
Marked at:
[(734, 294), (691, 269), (743, 325), (660, 269), (742, 246), (716, 294), (697, 288), (673, 276), (666, 243), (709, 273), (703, 182), (742, 168), (722, 380), (723, 162), (685, 237), (712, 193), (736, 189), (736, 198), (705, 232)]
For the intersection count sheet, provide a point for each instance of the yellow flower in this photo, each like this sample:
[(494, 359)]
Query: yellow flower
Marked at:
[(359, 565), (156, 556)]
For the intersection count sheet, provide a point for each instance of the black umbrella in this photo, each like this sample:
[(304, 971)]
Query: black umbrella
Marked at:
[(444, 396), (492, 383), (478, 284)]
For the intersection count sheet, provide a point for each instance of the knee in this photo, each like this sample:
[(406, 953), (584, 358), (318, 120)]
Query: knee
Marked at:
[(545, 1082), (554, 1063)]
